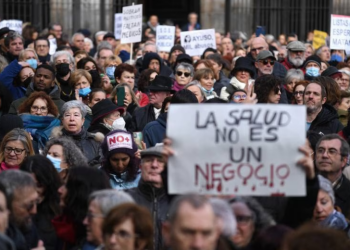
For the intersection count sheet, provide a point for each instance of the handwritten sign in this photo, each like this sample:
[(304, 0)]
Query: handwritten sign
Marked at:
[(319, 39), (118, 22), (131, 24), (236, 149), (195, 42), (340, 32), (15, 25), (165, 37)]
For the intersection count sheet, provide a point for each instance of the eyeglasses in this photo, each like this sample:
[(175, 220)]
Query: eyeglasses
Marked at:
[(256, 49), (36, 108), (265, 62), (238, 97), (123, 235), (90, 216), (242, 219), (330, 152), (180, 73), (298, 93), (17, 151)]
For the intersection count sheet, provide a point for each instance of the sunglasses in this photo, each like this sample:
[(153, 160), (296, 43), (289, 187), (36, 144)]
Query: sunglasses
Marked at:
[(180, 73), (238, 97), (256, 49), (298, 92), (265, 62)]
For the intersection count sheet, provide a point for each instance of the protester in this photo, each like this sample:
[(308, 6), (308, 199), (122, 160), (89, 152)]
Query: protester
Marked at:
[(298, 92), (183, 75), (292, 78), (197, 90), (267, 89), (96, 95), (206, 79), (91, 66), (130, 100)]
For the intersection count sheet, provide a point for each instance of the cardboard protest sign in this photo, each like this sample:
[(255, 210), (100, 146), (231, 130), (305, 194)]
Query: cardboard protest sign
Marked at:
[(165, 37), (340, 32), (195, 42), (236, 149), (118, 19), (319, 39), (131, 24), (15, 25)]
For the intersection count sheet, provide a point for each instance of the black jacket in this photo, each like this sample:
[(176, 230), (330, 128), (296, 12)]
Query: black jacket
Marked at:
[(342, 196), (98, 127), (46, 231), (326, 122), (23, 240), (141, 117), (157, 202)]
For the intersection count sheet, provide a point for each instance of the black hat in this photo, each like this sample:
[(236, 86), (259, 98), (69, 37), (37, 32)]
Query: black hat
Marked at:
[(9, 122), (108, 35), (314, 59), (148, 57), (161, 83), (4, 31), (104, 108), (183, 58), (330, 71), (85, 32), (244, 63), (177, 47)]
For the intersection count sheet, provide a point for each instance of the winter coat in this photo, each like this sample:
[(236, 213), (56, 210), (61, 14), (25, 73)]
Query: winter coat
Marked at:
[(88, 143), (154, 132), (54, 94), (99, 127), (141, 117), (157, 202), (342, 196), (6, 79), (119, 181), (326, 122), (46, 231), (23, 241)]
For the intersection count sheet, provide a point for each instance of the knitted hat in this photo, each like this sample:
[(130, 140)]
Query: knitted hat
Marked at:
[(9, 122), (104, 108), (183, 58), (244, 63), (177, 47), (118, 141), (314, 59), (148, 57)]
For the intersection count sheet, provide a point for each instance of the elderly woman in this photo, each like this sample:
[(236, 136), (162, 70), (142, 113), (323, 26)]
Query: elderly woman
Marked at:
[(325, 212), (293, 76), (183, 75), (120, 163), (81, 81), (39, 114), (206, 78), (73, 117), (243, 74), (128, 226), (14, 148), (106, 117), (268, 89), (64, 154), (196, 89)]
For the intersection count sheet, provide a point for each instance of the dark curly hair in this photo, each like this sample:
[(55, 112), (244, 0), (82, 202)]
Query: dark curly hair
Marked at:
[(144, 80), (264, 85), (123, 67)]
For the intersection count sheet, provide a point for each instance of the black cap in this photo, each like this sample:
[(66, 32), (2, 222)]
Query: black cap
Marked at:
[(108, 35), (4, 31)]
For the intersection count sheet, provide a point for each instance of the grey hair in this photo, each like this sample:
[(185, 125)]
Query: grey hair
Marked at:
[(3, 63), (196, 83), (86, 39), (15, 179), (326, 186), (222, 210), (74, 35), (149, 43), (12, 36), (72, 154), (109, 198), (61, 53), (319, 50), (74, 104), (185, 66), (103, 45), (294, 74), (99, 33), (269, 38)]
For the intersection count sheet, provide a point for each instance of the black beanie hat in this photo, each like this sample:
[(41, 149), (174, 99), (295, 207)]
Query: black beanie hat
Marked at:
[(314, 59)]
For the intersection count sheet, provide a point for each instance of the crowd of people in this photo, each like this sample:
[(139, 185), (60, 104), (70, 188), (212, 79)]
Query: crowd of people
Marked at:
[(84, 152)]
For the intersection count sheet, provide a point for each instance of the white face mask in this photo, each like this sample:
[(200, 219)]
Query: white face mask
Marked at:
[(119, 124)]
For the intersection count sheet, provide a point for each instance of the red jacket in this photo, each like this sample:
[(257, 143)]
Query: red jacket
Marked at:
[(289, 66)]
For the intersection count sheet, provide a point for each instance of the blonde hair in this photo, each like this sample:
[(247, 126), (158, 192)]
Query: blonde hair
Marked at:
[(23, 52), (77, 74)]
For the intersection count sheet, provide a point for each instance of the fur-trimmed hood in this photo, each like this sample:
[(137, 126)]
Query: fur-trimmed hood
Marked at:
[(60, 131)]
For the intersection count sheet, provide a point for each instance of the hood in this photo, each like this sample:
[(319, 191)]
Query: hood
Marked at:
[(328, 114), (54, 93), (147, 59)]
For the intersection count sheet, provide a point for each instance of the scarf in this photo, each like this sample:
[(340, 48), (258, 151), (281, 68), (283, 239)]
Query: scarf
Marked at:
[(208, 92), (4, 166), (177, 86), (64, 227)]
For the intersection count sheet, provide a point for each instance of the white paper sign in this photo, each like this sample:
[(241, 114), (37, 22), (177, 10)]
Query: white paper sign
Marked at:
[(236, 149), (118, 17), (340, 32), (131, 24), (195, 42), (15, 25), (53, 46), (165, 37)]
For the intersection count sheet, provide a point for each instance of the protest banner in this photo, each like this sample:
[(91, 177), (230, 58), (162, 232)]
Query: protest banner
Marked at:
[(15, 25), (236, 149), (195, 42), (165, 37), (131, 24), (118, 25), (319, 39), (340, 32)]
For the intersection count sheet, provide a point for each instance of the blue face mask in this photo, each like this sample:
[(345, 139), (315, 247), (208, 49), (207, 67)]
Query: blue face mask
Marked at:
[(312, 71), (84, 92), (56, 162), (32, 63), (110, 71)]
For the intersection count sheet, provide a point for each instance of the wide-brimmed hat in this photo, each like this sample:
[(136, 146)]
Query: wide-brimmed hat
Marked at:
[(161, 83), (244, 63), (104, 108)]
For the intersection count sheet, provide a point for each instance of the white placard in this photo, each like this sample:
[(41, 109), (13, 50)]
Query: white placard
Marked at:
[(53, 46), (12, 24), (165, 37), (119, 140), (236, 149), (131, 24), (340, 32), (118, 17), (195, 42)]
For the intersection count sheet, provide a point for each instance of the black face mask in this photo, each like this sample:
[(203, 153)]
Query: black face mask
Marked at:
[(62, 69), (27, 81), (96, 79)]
